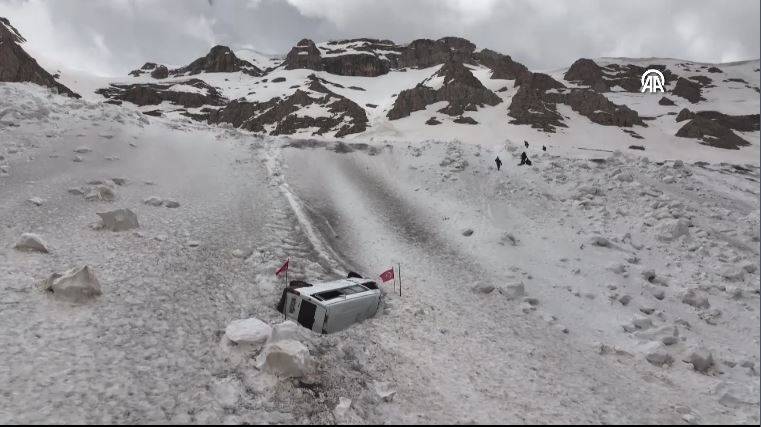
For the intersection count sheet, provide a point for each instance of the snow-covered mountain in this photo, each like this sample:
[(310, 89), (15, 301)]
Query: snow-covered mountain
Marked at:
[(447, 89)]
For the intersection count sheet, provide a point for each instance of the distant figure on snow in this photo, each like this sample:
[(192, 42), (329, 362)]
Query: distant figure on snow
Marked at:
[(499, 162), (526, 142), (544, 148), (524, 160)]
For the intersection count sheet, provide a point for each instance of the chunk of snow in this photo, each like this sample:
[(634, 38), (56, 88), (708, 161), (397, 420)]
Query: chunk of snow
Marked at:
[(76, 284), (118, 220), (250, 331), (31, 242), (285, 358)]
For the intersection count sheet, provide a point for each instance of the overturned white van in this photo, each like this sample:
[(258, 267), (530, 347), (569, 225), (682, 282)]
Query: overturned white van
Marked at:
[(331, 306)]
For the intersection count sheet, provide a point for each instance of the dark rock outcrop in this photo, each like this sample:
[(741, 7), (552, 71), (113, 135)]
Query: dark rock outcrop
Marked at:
[(462, 90), (599, 109), (714, 70), (528, 106), (304, 55), (502, 66), (410, 100), (465, 120), (685, 114), (536, 101), (602, 79), (346, 117), (433, 121), (711, 132), (587, 72), (666, 101), (220, 59), (155, 93), (355, 65), (688, 90), (160, 72), (424, 53), (742, 123), (18, 66)]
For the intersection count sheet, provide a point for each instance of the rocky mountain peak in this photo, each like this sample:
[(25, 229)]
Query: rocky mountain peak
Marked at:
[(9, 32), (18, 66), (304, 55)]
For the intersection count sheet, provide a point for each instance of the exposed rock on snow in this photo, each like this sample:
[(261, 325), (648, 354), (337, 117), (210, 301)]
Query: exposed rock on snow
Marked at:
[(712, 133), (250, 332), (82, 150), (77, 284), (242, 253), (671, 229), (36, 201), (285, 358), (383, 391), (512, 290), (220, 59), (346, 117), (153, 201), (691, 297), (100, 193), (688, 90), (467, 232), (659, 357), (701, 359), (31, 242), (118, 220), (483, 288), (169, 203), (462, 91)]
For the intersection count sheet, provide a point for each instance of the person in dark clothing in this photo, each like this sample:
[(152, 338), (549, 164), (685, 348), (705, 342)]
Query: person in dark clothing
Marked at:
[(544, 148), (526, 142), (499, 162), (524, 160)]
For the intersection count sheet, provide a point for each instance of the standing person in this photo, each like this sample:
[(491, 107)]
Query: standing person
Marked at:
[(524, 160), (526, 142), (544, 148), (499, 162)]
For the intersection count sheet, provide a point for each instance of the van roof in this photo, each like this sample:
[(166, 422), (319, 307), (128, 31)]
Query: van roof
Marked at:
[(317, 288)]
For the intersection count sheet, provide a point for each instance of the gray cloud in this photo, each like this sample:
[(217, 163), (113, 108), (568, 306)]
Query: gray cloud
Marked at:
[(115, 36)]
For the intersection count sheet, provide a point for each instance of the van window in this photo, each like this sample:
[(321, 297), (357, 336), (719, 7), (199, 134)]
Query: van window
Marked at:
[(336, 293)]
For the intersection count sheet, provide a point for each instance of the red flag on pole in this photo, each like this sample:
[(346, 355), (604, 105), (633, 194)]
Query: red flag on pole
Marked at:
[(387, 275), (282, 269)]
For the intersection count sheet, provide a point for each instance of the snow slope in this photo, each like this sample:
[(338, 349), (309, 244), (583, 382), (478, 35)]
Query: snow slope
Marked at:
[(149, 350)]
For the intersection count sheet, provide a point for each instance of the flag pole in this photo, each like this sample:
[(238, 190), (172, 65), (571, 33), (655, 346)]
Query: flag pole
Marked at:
[(399, 267)]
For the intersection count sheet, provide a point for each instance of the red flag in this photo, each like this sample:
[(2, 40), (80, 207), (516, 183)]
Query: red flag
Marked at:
[(282, 269), (387, 275)]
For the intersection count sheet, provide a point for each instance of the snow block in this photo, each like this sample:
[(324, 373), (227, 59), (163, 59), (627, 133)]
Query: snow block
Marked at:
[(250, 331), (118, 220), (31, 242), (286, 358), (513, 290), (77, 284)]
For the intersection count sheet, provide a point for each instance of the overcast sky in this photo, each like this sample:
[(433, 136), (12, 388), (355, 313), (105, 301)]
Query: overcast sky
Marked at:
[(112, 37)]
